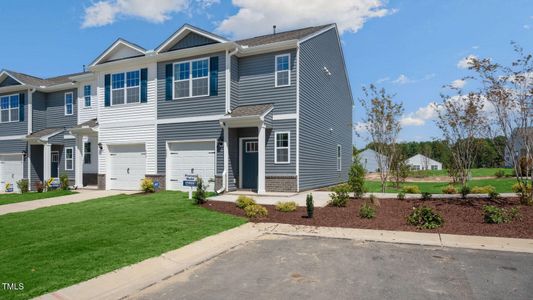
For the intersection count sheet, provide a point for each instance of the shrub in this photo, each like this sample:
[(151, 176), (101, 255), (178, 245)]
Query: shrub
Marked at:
[(309, 205), (147, 185), (39, 186), (63, 181), (411, 189), (255, 211), (524, 191), (200, 196), (367, 211), (286, 206), (426, 196), (465, 190), (356, 178), (23, 185), (244, 201), (499, 173), (494, 195), (496, 215), (449, 189), (401, 195), (424, 217), (483, 189), (339, 197)]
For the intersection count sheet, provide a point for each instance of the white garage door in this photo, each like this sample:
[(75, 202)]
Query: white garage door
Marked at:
[(11, 171), (127, 165), (191, 158)]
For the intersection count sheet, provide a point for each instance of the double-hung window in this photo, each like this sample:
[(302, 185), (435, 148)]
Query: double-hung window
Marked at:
[(9, 108), (69, 158), (282, 74), (87, 95), (69, 104), (87, 153), (191, 78), (282, 151), (126, 88), (339, 158)]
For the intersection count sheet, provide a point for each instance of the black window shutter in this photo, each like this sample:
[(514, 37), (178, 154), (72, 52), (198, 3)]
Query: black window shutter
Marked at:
[(168, 82), (107, 92), (21, 107), (213, 76), (144, 85)]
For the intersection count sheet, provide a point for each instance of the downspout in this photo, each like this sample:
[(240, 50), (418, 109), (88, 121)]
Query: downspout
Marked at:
[(224, 186)]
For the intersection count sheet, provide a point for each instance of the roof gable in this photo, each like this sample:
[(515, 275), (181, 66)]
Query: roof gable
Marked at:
[(189, 36), (120, 49), (7, 79)]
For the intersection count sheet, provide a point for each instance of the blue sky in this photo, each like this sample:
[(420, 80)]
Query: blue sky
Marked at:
[(409, 47)]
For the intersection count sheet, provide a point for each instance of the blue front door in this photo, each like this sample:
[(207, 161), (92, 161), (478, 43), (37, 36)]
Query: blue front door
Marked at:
[(249, 164), (54, 170)]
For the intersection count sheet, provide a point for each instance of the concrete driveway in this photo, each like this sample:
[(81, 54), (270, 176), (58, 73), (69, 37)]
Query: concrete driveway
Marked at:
[(283, 267)]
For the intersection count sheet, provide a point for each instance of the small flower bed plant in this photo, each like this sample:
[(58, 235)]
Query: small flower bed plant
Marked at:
[(411, 189), (286, 206), (255, 211), (425, 217), (367, 211), (496, 215)]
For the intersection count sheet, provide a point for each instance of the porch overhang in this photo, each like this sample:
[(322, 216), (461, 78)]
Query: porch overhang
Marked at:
[(248, 116), (41, 137), (86, 128)]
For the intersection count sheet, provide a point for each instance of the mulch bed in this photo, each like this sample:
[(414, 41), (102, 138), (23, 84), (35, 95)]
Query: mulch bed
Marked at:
[(460, 217)]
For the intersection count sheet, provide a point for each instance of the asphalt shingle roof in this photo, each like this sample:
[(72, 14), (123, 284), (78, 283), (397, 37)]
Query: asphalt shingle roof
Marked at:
[(36, 81), (44, 132), (250, 110), (281, 36), (91, 123)]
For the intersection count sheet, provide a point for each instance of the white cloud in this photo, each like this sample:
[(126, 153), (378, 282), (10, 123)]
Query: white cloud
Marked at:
[(360, 127), (419, 117), (156, 11), (458, 83), (465, 62), (384, 79), (403, 79), (527, 27), (257, 17), (207, 3)]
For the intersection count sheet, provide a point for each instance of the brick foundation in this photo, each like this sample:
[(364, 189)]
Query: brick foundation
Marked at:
[(281, 183), (160, 178)]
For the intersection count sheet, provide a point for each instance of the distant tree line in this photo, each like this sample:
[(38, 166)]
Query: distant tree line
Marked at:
[(488, 156)]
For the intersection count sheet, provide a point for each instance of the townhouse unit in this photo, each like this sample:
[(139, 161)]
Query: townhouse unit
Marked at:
[(271, 113)]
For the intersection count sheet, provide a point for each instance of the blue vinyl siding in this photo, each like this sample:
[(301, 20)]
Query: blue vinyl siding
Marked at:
[(9, 82), (325, 112), (195, 106), (256, 83), (281, 169), (15, 128)]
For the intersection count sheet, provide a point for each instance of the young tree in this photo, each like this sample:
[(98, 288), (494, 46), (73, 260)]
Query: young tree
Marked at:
[(461, 120), (382, 122), (400, 170), (509, 92)]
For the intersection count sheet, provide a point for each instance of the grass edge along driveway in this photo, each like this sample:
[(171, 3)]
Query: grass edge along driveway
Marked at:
[(30, 196), (51, 248)]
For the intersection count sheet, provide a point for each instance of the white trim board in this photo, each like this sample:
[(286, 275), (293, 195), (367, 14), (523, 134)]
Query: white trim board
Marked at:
[(12, 137), (285, 117), (189, 119)]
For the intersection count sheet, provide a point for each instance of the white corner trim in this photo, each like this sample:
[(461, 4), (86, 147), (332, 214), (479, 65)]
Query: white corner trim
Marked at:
[(189, 119), (285, 116), (298, 118)]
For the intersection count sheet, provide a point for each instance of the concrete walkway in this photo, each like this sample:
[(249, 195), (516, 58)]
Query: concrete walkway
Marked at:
[(130, 280), (82, 195)]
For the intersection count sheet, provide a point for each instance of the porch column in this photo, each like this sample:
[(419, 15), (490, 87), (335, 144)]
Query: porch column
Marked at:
[(261, 159), (47, 167), (226, 159), (78, 159)]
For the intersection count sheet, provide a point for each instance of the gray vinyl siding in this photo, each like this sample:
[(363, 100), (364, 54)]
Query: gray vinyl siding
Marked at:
[(55, 110), (195, 106), (188, 131), (192, 40), (281, 169), (62, 160), (325, 112), (257, 83), (15, 128), (39, 111), (9, 82), (37, 157)]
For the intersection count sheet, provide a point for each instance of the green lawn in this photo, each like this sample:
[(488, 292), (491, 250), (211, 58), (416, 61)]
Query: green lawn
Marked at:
[(14, 198), (481, 172), (502, 185), (51, 248)]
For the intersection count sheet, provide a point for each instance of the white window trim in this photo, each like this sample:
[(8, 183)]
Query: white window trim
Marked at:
[(72, 97), (67, 159), (174, 80), (276, 148), (338, 155), (85, 96), (125, 88), (276, 70), (9, 109)]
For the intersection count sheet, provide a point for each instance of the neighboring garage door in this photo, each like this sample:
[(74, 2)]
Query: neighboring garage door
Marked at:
[(127, 167), (191, 158), (11, 170)]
